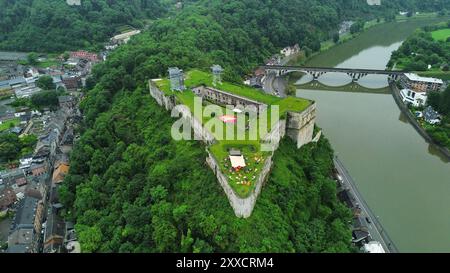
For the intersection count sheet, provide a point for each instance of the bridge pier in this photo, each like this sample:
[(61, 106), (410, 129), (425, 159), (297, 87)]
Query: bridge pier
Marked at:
[(315, 74), (356, 76)]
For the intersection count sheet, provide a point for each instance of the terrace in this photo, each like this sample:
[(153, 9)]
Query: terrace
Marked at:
[(242, 180)]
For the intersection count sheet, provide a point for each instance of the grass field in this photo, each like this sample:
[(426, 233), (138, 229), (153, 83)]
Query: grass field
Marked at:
[(441, 34), (443, 75), (48, 63), (8, 124)]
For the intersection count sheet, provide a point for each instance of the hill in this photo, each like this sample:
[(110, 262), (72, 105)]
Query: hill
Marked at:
[(131, 188)]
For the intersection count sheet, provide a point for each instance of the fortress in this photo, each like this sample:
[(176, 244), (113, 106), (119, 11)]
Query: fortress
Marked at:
[(242, 185)]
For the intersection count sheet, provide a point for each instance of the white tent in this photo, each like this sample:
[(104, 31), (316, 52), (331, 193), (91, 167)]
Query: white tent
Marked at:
[(237, 161)]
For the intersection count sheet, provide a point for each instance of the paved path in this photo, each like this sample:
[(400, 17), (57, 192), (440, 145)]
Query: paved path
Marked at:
[(375, 228)]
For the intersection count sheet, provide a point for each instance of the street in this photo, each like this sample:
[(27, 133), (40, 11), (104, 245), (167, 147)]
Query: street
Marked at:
[(375, 228), (272, 83)]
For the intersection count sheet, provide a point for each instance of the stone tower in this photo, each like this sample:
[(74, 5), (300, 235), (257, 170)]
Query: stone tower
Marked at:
[(176, 79), (217, 74)]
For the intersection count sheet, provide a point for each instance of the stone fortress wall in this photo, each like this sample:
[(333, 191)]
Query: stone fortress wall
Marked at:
[(225, 98), (298, 126)]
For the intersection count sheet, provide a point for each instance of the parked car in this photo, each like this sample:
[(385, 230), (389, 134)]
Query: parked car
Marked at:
[(368, 220)]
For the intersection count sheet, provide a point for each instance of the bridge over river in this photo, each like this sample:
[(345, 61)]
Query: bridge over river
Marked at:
[(316, 72)]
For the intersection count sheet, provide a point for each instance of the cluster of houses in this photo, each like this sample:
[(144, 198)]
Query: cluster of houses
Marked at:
[(20, 82), (30, 190), (70, 75), (257, 78), (415, 90)]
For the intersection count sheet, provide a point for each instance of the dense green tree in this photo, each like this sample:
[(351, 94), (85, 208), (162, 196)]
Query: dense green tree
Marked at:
[(32, 58), (46, 83), (12, 147), (335, 37), (45, 99)]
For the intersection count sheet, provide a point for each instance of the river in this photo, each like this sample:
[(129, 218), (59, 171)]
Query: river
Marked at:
[(403, 179)]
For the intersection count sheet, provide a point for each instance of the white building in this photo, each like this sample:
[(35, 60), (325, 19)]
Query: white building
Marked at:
[(123, 38), (26, 92), (290, 50), (373, 247), (416, 98), (73, 2), (374, 2), (25, 162)]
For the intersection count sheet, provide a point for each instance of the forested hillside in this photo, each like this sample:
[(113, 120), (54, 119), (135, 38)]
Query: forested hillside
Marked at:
[(54, 26), (131, 188)]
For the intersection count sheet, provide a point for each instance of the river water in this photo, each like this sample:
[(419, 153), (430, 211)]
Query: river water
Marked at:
[(403, 179)]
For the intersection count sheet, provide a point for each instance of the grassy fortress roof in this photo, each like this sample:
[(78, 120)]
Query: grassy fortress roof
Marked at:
[(243, 181)]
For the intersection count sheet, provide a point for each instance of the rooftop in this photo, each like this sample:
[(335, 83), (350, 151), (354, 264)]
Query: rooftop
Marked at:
[(373, 247), (24, 217), (417, 78)]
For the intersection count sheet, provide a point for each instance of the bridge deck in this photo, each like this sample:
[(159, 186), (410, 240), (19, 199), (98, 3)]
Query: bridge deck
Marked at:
[(333, 69)]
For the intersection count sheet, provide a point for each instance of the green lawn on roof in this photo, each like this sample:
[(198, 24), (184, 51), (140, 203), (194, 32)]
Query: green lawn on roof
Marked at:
[(243, 182)]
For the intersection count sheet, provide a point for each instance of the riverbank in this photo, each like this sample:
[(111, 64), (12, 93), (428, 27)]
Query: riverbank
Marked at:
[(412, 120), (327, 45)]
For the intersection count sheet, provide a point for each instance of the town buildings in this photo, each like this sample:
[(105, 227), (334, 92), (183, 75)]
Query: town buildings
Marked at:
[(431, 116), (7, 197), (416, 98), (26, 226), (420, 84), (36, 225), (85, 55)]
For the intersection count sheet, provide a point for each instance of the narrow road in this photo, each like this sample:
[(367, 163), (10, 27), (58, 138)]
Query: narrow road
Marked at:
[(274, 84), (375, 228), (268, 82)]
